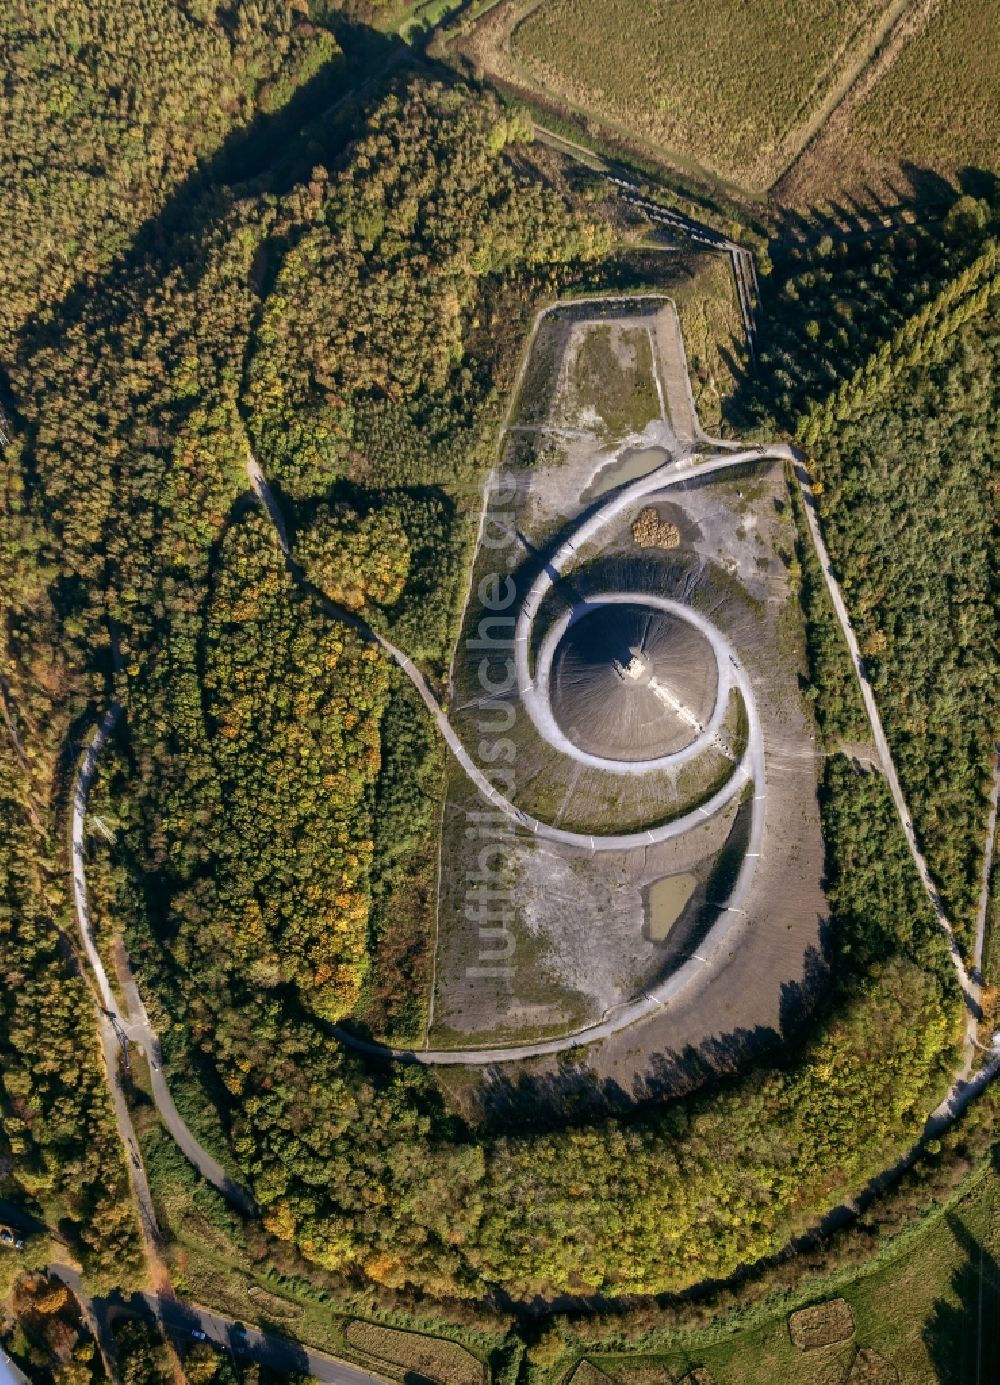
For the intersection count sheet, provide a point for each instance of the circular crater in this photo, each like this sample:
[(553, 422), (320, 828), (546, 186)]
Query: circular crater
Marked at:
[(630, 682)]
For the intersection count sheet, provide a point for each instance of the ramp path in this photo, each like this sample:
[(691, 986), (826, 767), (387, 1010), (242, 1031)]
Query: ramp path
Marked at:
[(751, 769)]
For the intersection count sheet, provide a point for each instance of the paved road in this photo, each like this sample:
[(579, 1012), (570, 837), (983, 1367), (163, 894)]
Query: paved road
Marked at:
[(686, 468), (535, 693), (181, 1320), (140, 1031), (10, 1374), (720, 940), (84, 777), (250, 1344)]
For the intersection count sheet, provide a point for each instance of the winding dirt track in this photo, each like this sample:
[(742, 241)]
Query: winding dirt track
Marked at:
[(134, 1026), (751, 769)]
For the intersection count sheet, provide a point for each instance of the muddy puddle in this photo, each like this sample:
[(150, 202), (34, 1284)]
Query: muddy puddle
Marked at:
[(666, 900), (633, 463)]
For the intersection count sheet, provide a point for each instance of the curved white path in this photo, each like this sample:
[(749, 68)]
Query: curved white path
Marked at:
[(534, 692), (537, 699), (732, 918), (751, 766), (750, 770), (723, 933)]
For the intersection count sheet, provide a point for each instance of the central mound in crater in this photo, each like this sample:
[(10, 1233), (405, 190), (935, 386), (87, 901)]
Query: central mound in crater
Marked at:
[(630, 682)]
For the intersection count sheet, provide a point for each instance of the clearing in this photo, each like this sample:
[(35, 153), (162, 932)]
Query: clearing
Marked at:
[(539, 938)]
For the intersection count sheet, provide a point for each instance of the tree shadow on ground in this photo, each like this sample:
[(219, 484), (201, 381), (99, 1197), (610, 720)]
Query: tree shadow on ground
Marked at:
[(270, 154), (845, 276), (962, 1334), (573, 1094)]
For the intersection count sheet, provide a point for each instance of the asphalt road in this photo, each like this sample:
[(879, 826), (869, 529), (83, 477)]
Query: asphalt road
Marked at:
[(720, 939), (140, 1031), (9, 1373), (672, 473), (181, 1319), (108, 1018)]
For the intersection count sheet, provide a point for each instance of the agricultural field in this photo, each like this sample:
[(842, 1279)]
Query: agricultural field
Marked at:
[(409, 1352), (929, 105), (675, 80)]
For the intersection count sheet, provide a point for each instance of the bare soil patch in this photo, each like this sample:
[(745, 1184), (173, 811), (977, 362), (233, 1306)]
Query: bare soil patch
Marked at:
[(821, 1325), (414, 1354), (587, 1373), (870, 1368), (542, 940)]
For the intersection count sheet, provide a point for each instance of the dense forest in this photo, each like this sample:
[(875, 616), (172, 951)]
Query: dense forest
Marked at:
[(270, 773), (833, 302), (364, 1169), (105, 114), (135, 408), (273, 877), (51, 1339), (105, 109), (364, 336), (895, 344), (919, 463)]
